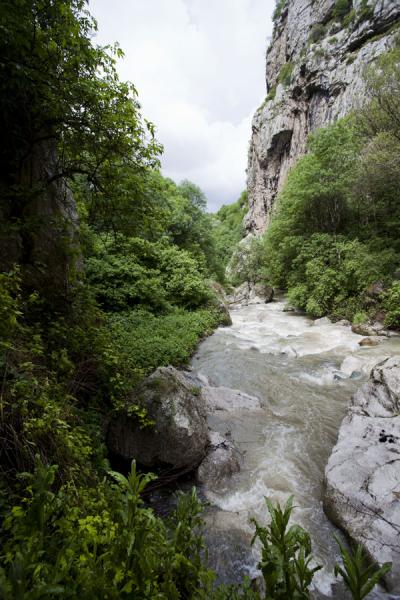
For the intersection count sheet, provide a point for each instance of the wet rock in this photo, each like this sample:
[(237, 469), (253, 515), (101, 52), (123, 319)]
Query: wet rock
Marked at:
[(322, 321), (363, 475), (241, 294), (263, 291), (223, 398), (364, 329), (222, 460), (252, 293), (370, 341), (179, 437), (343, 322)]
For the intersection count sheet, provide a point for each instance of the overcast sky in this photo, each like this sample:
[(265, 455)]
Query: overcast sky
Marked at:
[(198, 66)]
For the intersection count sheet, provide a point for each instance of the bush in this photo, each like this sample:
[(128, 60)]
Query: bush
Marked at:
[(285, 74), (341, 9), (279, 8), (81, 544), (317, 32), (391, 305), (143, 341), (286, 555)]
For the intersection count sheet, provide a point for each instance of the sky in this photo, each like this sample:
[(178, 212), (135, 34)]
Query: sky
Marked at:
[(198, 66)]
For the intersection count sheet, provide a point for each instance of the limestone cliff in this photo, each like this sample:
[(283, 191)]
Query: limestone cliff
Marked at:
[(314, 68)]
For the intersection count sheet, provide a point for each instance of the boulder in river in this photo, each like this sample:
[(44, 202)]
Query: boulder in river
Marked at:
[(224, 398), (179, 437), (252, 293), (263, 291), (370, 341), (362, 494), (222, 460)]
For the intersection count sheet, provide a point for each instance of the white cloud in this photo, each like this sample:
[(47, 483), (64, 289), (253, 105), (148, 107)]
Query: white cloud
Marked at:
[(198, 66)]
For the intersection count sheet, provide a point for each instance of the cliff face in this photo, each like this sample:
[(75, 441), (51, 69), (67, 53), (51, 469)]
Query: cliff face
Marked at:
[(314, 71)]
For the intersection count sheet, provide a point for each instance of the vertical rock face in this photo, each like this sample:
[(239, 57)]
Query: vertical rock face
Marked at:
[(314, 71)]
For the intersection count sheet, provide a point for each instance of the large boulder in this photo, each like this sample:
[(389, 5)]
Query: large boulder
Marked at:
[(179, 437), (222, 460), (252, 293), (362, 494), (263, 291)]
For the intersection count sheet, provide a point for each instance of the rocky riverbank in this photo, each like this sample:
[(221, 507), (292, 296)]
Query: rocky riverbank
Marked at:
[(362, 494)]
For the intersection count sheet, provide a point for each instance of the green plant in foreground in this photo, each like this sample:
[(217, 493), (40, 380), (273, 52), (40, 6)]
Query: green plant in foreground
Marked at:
[(286, 555), (359, 579)]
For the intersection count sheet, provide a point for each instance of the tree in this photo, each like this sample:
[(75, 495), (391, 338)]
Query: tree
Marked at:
[(63, 112)]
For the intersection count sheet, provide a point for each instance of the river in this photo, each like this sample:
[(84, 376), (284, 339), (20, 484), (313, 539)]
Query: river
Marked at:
[(304, 371)]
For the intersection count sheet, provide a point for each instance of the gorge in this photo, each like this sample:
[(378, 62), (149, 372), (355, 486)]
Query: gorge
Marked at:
[(147, 344)]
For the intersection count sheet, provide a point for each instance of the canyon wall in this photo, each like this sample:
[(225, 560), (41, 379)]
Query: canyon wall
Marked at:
[(314, 68)]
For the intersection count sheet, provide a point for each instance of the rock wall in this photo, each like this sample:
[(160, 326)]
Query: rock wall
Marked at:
[(314, 71)]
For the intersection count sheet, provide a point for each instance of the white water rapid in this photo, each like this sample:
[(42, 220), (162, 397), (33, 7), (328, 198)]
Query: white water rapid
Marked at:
[(304, 372)]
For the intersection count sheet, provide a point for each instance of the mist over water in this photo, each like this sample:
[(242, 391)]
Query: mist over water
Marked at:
[(305, 373)]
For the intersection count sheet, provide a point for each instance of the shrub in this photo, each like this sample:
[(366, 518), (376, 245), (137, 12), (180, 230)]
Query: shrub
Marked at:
[(317, 32), (391, 305), (359, 579), (341, 9), (285, 74), (286, 555), (279, 8)]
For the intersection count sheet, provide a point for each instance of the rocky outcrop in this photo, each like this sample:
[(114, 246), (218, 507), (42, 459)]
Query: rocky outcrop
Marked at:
[(179, 437), (362, 493), (314, 71)]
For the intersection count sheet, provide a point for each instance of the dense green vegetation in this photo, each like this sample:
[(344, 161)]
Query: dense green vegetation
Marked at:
[(87, 310), (336, 227), (229, 230)]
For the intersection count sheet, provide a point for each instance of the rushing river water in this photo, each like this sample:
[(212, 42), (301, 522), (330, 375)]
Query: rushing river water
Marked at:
[(304, 372)]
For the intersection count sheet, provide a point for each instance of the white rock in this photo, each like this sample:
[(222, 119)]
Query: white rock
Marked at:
[(362, 493)]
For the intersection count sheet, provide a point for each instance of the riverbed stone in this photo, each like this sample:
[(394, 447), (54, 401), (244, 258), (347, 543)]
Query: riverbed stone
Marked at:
[(251, 292), (224, 398), (262, 291), (362, 492), (222, 460), (370, 341), (179, 437)]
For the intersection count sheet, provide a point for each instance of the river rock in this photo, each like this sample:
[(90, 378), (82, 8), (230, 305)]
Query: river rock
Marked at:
[(222, 460), (343, 323), (363, 473), (368, 341), (263, 291), (252, 293), (240, 295), (364, 329), (224, 398), (179, 437)]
